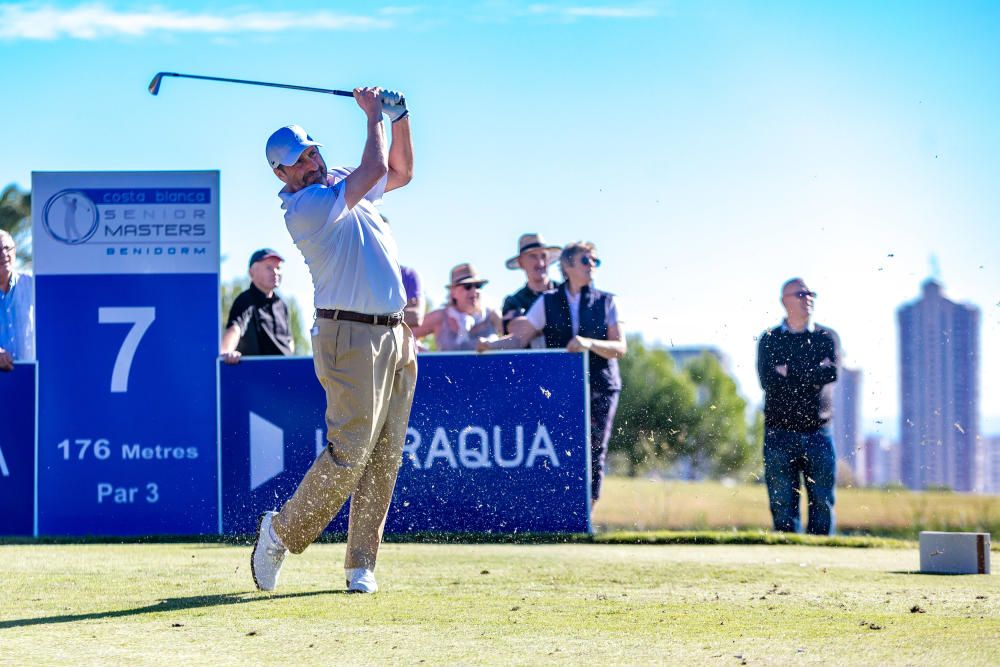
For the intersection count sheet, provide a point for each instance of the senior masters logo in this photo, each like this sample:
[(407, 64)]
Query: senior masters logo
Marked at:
[(70, 217), (132, 221), (126, 222)]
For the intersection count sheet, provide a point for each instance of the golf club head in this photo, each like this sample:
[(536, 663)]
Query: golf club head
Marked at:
[(154, 85)]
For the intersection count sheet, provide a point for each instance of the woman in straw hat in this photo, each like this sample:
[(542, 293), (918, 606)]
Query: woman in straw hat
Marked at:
[(465, 320)]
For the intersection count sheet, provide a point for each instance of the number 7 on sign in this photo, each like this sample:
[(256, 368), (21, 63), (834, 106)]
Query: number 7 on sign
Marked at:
[(140, 319)]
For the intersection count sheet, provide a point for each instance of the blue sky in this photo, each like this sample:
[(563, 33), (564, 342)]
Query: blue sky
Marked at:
[(710, 149)]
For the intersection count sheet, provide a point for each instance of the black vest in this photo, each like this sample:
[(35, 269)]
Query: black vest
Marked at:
[(604, 376)]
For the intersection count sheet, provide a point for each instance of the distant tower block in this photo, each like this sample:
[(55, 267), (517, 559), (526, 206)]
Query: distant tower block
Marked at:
[(954, 553)]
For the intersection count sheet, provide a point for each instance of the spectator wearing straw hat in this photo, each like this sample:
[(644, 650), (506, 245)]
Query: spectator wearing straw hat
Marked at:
[(460, 324), (533, 257)]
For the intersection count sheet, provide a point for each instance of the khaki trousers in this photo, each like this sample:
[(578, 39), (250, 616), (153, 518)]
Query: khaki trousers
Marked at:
[(369, 373)]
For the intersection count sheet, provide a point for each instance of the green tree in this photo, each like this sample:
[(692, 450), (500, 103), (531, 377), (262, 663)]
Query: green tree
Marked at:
[(693, 413), (720, 437), (755, 466), (15, 217), (656, 410), (230, 290)]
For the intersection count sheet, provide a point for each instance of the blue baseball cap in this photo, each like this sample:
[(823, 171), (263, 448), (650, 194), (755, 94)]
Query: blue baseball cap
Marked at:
[(286, 145), (264, 253)]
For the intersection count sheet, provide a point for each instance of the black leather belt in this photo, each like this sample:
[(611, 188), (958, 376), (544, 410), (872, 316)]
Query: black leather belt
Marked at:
[(390, 320)]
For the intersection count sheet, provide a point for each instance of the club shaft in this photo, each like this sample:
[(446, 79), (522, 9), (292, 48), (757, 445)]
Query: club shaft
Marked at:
[(343, 93)]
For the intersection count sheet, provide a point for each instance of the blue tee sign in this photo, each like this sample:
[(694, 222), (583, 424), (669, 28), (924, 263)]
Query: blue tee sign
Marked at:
[(496, 443), (17, 450), (127, 307)]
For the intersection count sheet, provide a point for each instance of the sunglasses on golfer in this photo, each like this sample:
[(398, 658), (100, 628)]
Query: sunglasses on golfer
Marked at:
[(468, 287), (587, 260), (801, 294)]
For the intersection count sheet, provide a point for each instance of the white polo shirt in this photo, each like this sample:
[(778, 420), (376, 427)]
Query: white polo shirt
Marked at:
[(351, 253)]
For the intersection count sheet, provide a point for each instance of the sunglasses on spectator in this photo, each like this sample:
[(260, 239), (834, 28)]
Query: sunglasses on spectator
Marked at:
[(468, 287), (587, 260), (801, 294)]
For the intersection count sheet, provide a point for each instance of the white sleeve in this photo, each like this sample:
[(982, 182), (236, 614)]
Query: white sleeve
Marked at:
[(374, 195), (612, 314), (536, 314), (314, 207)]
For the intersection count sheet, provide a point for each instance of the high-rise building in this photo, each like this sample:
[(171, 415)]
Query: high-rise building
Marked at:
[(880, 462), (847, 416), (991, 467), (939, 391)]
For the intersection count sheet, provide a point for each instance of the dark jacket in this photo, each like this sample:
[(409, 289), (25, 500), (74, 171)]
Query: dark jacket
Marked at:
[(802, 401), (594, 304), (518, 303)]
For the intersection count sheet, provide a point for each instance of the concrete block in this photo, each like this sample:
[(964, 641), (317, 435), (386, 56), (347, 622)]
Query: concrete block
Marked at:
[(954, 553)]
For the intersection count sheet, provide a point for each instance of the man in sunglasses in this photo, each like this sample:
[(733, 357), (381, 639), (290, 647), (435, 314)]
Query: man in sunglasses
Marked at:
[(797, 366), (579, 318)]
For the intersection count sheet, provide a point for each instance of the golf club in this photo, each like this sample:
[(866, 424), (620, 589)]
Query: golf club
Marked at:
[(154, 85)]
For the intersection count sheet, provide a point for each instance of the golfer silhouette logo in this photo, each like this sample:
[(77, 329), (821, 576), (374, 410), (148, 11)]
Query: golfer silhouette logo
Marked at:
[(70, 217)]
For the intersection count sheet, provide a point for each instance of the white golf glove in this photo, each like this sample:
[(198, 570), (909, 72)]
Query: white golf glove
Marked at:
[(394, 105)]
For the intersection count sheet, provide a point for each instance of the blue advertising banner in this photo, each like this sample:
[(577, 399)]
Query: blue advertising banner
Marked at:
[(17, 450), (127, 336), (496, 443)]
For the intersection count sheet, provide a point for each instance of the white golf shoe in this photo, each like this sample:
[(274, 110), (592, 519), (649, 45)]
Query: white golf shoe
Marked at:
[(267, 556), (360, 580)]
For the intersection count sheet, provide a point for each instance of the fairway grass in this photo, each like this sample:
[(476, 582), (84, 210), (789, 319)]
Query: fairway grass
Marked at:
[(493, 604), (647, 504)]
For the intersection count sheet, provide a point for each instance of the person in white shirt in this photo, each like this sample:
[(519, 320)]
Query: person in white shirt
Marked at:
[(578, 317), (460, 324), (17, 308), (362, 351)]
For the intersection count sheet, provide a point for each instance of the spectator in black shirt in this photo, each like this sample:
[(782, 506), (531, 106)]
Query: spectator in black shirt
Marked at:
[(797, 366), (258, 320), (534, 258)]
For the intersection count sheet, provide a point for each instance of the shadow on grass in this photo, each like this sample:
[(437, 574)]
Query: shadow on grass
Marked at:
[(165, 605)]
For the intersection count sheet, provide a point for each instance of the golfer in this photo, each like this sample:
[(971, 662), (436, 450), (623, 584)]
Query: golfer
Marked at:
[(363, 353)]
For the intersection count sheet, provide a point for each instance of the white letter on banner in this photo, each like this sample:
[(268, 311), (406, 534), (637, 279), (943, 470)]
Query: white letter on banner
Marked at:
[(542, 446), (497, 447), (410, 446), (3, 466), (140, 319), (474, 457), (440, 449)]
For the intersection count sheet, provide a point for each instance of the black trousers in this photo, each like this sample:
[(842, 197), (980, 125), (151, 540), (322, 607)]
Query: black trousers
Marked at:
[(603, 406)]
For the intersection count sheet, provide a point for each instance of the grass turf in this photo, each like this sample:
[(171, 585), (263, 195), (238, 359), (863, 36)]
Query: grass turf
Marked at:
[(644, 504), (494, 603)]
